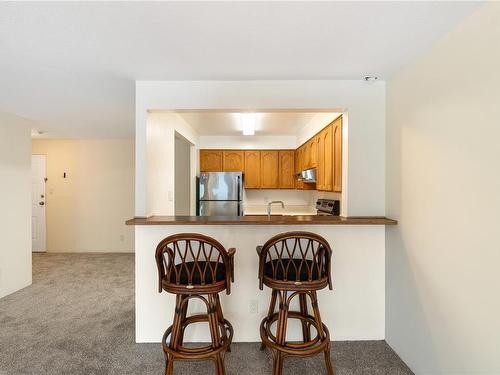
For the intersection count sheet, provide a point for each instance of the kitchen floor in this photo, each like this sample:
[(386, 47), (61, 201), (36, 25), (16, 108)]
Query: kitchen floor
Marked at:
[(78, 318)]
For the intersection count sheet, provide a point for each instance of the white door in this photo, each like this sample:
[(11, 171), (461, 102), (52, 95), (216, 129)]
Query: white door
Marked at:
[(38, 230)]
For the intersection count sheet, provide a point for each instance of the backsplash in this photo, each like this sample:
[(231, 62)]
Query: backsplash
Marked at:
[(315, 195), (289, 197), (254, 197)]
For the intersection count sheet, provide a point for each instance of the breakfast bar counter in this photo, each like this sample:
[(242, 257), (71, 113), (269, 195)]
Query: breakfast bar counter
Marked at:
[(262, 220), (355, 310)]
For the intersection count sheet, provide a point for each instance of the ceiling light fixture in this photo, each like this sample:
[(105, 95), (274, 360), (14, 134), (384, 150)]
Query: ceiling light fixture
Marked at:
[(248, 123)]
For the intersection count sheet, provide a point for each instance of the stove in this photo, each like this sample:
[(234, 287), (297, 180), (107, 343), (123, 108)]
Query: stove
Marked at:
[(328, 207)]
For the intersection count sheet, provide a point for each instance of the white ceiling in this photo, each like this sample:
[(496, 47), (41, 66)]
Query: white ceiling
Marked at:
[(275, 123), (71, 66)]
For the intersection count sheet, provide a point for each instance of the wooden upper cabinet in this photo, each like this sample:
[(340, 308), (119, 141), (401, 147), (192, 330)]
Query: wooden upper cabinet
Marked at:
[(310, 154), (252, 169), (234, 161), (286, 169), (211, 161), (306, 156), (320, 168), (269, 168), (313, 152), (337, 154), (299, 157), (327, 159), (298, 184), (275, 169)]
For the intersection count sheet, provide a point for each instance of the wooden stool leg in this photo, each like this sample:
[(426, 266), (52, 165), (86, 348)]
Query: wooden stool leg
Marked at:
[(219, 365), (306, 329), (220, 317), (185, 302), (221, 333), (321, 333), (174, 336), (176, 326), (328, 361), (169, 368), (317, 316), (281, 333), (272, 306), (278, 363), (213, 319)]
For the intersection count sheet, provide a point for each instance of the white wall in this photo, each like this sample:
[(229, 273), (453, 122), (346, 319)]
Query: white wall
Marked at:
[(15, 200), (87, 210), (314, 126), (183, 181), (159, 164), (315, 195), (290, 197), (249, 142), (354, 310), (443, 184), (365, 103)]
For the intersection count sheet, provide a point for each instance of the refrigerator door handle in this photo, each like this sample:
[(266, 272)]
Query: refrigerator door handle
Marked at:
[(198, 213), (238, 213), (238, 187)]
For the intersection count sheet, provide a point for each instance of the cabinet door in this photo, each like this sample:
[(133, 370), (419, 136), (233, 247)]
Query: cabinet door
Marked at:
[(337, 155), (269, 168), (252, 169), (313, 153), (286, 169), (298, 184), (210, 160), (306, 156), (327, 152), (320, 167), (233, 161), (299, 159)]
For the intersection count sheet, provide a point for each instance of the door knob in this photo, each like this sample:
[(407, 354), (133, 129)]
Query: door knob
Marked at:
[(41, 203)]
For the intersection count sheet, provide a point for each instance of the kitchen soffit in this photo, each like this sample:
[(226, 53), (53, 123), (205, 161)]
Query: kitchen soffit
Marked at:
[(266, 124)]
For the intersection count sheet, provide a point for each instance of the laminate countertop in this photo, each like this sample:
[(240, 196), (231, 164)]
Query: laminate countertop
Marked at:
[(262, 220)]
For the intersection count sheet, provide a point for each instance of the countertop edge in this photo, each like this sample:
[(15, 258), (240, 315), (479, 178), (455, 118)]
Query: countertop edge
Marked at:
[(262, 220)]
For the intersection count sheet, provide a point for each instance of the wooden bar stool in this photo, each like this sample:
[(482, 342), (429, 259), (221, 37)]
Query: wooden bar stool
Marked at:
[(295, 264), (192, 265)]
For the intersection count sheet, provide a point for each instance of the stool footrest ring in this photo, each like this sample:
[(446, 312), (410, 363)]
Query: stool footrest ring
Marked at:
[(310, 348), (198, 353)]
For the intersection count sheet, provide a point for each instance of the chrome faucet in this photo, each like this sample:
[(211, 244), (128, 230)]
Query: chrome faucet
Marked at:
[(269, 207)]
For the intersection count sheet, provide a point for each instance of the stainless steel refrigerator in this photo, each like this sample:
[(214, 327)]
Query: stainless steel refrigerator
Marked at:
[(220, 194)]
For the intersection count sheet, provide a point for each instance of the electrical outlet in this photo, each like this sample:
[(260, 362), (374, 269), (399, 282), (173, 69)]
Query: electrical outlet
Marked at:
[(253, 306)]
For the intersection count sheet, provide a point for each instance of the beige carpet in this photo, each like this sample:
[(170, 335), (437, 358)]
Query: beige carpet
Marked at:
[(78, 318)]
